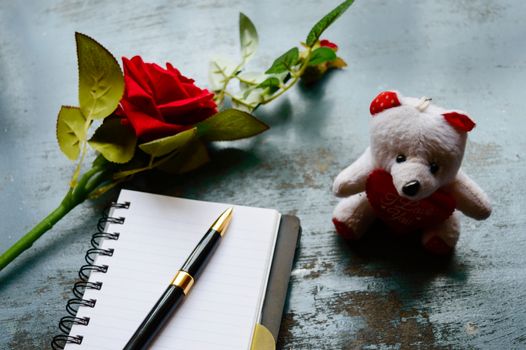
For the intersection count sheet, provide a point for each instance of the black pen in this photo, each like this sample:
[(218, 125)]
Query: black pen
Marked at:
[(180, 285)]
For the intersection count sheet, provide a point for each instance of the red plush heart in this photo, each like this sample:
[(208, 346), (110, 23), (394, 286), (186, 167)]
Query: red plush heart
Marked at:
[(402, 214)]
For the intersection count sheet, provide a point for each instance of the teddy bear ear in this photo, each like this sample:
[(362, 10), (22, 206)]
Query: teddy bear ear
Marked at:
[(459, 121), (385, 100)]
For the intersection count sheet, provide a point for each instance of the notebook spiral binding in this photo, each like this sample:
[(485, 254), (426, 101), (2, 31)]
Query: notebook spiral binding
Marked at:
[(66, 322)]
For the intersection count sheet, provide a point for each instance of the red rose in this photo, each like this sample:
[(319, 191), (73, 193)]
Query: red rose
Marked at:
[(160, 102), (327, 43)]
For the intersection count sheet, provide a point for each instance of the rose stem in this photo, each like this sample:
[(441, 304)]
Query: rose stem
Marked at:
[(76, 195)]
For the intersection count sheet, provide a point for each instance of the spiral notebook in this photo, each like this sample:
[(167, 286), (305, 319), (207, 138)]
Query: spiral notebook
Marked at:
[(144, 241)]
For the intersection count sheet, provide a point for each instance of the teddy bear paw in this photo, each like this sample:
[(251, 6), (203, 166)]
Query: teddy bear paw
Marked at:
[(437, 246), (343, 230)]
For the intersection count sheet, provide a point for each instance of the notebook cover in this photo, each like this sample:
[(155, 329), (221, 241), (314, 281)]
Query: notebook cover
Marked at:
[(288, 236)]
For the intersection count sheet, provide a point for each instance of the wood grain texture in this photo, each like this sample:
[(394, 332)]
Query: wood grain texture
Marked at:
[(383, 293)]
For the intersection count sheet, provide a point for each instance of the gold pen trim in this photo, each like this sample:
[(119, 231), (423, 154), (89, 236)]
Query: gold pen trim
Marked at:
[(183, 280), (221, 224)]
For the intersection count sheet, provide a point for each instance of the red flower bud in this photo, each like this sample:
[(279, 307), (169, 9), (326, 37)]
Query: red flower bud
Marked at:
[(327, 43)]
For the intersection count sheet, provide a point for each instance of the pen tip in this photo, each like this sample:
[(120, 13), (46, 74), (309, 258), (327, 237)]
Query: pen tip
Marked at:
[(221, 224)]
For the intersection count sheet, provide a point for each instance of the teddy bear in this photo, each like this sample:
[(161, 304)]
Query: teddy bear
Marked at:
[(410, 177)]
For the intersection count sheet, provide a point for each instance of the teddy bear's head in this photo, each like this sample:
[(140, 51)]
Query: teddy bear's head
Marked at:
[(421, 145)]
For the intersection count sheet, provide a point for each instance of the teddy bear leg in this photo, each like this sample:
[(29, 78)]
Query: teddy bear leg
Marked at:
[(441, 239), (352, 216)]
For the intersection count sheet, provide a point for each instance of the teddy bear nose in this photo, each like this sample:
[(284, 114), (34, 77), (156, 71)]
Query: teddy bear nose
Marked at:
[(411, 188)]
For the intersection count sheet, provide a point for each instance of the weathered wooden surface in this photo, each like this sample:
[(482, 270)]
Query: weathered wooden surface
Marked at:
[(384, 293)]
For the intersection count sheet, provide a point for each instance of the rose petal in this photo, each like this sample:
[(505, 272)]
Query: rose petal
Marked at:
[(195, 116), (168, 86), (135, 69), (136, 96), (180, 107), (147, 127)]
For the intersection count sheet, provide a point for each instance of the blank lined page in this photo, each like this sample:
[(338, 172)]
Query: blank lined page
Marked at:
[(157, 236)]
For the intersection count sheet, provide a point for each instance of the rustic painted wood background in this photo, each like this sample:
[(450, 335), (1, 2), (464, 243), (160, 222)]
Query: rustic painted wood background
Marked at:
[(382, 294)]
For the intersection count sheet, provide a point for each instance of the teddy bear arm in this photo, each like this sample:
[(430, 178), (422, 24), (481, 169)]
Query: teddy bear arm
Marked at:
[(471, 199), (353, 178)]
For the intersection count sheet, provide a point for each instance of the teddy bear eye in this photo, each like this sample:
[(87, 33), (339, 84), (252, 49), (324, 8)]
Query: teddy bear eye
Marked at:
[(433, 168), (400, 158)]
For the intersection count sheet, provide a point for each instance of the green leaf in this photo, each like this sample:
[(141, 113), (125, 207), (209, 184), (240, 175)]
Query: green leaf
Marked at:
[(99, 161), (198, 157), (101, 83), (285, 62), (230, 124), (270, 86), (71, 130), (248, 37), (322, 55), (326, 21), (161, 147), (219, 70), (116, 142), (271, 82), (247, 79), (249, 99), (192, 157)]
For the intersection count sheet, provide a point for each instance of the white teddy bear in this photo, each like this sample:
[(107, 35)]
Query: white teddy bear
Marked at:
[(410, 175)]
